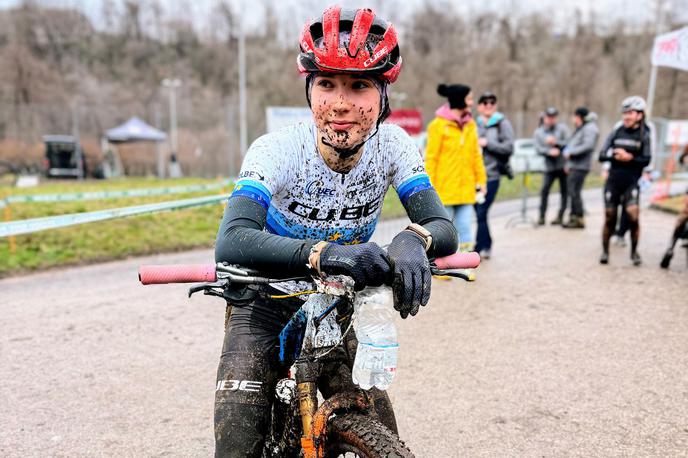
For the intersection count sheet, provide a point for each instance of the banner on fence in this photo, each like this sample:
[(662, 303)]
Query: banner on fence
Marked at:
[(101, 195), (53, 222)]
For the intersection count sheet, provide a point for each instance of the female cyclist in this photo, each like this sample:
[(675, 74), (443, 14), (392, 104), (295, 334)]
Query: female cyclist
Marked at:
[(308, 199)]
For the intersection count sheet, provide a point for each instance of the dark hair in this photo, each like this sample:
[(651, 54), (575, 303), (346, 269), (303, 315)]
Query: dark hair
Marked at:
[(582, 112), (487, 95)]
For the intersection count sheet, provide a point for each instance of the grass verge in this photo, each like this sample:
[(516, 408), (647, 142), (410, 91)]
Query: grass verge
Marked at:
[(106, 240)]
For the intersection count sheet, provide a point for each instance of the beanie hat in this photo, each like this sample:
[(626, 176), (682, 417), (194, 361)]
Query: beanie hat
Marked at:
[(456, 93), (582, 112)]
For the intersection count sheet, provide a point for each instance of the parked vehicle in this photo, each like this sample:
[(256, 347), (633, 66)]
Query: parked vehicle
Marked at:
[(64, 157)]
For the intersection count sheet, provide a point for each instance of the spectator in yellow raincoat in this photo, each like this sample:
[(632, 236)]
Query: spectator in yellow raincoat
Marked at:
[(454, 161)]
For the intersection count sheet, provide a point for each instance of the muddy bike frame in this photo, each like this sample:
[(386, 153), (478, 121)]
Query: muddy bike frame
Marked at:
[(240, 286)]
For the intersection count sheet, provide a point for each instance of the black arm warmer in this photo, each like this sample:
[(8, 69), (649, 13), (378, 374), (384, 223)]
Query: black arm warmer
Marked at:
[(425, 208), (241, 240)]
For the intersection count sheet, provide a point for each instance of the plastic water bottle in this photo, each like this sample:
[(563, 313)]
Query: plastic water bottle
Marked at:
[(644, 184), (479, 196), (376, 354)]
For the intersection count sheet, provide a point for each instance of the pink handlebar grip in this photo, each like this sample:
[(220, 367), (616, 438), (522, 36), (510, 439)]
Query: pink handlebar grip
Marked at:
[(459, 261), (190, 273)]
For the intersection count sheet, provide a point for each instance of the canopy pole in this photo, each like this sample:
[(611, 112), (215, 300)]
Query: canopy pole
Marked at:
[(158, 147), (651, 92), (77, 139)]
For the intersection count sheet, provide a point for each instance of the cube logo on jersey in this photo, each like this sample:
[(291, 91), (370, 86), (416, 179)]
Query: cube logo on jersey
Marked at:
[(345, 213)]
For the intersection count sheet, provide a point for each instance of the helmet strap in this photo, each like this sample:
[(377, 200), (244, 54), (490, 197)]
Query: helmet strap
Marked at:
[(343, 153), (346, 153), (309, 84)]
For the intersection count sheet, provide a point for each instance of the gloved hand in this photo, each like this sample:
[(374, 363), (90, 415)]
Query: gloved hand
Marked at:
[(366, 263), (412, 277)]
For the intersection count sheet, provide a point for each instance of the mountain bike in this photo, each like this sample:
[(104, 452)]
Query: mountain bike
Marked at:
[(319, 343)]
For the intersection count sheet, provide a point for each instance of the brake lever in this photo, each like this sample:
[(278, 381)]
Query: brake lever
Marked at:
[(451, 273), (206, 287)]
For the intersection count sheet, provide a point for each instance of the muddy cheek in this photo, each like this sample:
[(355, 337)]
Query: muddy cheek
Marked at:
[(319, 119)]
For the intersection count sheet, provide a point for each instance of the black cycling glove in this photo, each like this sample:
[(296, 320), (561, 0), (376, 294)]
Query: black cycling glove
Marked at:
[(366, 263), (412, 277)]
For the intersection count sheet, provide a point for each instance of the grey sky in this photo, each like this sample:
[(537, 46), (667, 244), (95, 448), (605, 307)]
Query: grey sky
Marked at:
[(562, 11)]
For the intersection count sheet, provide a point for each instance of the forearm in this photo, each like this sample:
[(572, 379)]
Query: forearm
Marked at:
[(241, 240), (583, 149), (642, 161), (541, 146), (605, 155), (425, 208), (645, 156), (500, 150), (606, 151)]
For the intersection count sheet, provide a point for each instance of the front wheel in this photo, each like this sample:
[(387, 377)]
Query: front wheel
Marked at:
[(355, 435)]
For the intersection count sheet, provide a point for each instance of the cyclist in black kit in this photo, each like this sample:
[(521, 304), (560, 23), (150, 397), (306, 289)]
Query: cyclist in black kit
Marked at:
[(681, 225), (628, 150)]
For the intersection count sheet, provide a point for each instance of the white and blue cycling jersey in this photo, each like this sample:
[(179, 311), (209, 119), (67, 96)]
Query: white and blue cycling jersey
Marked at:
[(305, 199)]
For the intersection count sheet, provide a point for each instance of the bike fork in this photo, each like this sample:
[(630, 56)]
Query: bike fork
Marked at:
[(307, 394)]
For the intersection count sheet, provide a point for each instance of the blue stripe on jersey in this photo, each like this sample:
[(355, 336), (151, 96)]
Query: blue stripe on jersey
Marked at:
[(253, 190), (413, 185), (277, 223)]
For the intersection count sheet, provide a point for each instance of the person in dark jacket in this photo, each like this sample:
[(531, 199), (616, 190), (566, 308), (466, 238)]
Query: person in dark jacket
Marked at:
[(681, 225), (550, 138), (578, 155), (496, 138), (628, 149)]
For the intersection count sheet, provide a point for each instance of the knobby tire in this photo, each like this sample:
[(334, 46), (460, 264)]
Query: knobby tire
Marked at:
[(364, 436)]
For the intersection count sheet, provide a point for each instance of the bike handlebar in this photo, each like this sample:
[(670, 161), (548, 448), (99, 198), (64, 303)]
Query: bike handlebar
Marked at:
[(177, 273), (199, 273), (458, 261)]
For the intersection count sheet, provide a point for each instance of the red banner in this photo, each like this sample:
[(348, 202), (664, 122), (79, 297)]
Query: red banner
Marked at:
[(408, 119)]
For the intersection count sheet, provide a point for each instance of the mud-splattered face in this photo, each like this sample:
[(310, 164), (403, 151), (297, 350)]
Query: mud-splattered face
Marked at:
[(345, 108)]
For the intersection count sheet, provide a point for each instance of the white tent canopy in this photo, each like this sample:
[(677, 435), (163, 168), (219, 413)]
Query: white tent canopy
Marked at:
[(135, 130)]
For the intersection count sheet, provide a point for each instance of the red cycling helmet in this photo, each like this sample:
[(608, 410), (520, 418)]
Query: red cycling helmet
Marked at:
[(350, 41)]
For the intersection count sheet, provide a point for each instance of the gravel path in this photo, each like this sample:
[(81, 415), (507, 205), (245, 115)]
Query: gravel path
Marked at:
[(546, 354)]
